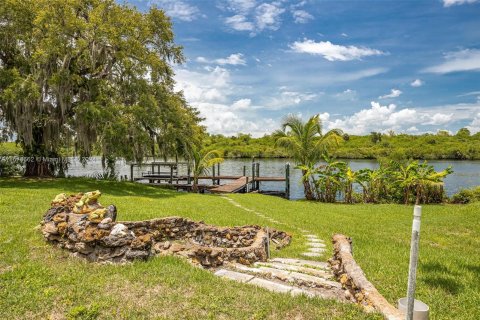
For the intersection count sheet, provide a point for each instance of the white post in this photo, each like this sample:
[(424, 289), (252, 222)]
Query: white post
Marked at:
[(412, 272)]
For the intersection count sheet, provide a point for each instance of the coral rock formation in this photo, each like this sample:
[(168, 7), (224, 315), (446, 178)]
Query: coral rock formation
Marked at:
[(80, 224)]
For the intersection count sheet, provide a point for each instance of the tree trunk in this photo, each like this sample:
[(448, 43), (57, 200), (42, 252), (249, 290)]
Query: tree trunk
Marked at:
[(195, 185), (38, 168), (418, 195), (307, 188)]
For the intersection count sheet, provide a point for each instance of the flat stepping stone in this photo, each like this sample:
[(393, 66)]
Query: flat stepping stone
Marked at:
[(316, 245), (271, 285), (315, 241), (236, 276), (303, 263), (299, 292), (317, 250), (282, 266), (311, 254), (315, 281), (294, 277)]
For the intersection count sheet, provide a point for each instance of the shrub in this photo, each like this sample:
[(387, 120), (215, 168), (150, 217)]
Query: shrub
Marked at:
[(466, 196)]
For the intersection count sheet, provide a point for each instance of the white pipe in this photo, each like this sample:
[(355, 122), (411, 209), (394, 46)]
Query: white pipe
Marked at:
[(412, 271)]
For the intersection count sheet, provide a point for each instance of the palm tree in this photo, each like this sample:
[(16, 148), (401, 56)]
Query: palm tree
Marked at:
[(202, 162), (306, 143)]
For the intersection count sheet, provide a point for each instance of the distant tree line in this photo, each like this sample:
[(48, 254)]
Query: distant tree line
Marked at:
[(442, 145)]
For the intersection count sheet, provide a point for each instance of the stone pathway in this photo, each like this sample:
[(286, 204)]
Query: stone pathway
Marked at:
[(287, 275)]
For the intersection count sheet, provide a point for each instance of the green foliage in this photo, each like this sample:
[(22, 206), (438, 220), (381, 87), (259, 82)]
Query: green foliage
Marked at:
[(393, 182), (9, 149), (397, 146), (202, 162), (92, 74), (466, 196), (10, 166), (375, 137), (305, 143)]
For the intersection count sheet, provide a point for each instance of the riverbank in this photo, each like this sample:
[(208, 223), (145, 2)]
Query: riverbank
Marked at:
[(426, 147), (39, 281)]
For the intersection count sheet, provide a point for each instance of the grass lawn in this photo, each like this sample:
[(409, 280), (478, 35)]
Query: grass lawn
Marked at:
[(39, 281)]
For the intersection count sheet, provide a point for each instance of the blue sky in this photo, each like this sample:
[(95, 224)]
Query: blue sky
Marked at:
[(407, 66)]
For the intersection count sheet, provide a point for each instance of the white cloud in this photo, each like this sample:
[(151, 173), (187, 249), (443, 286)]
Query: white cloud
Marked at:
[(178, 9), (250, 17), (212, 86), (439, 119), (301, 16), (472, 93), (223, 119), (394, 93), (267, 16), (210, 92), (233, 59), (286, 99), (347, 94), (239, 22), (463, 60), (388, 117), (344, 34), (242, 104), (448, 3), (238, 6), (333, 52), (417, 83), (474, 126)]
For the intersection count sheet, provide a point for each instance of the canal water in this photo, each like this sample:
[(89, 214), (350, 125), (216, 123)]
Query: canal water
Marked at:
[(466, 173)]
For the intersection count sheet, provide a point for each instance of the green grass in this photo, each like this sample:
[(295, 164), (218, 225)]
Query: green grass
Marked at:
[(39, 281), (9, 149)]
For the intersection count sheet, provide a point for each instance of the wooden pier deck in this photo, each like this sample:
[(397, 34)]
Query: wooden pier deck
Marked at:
[(175, 178), (234, 186), (178, 175)]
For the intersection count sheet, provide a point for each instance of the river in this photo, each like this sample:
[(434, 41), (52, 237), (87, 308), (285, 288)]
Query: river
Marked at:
[(466, 173)]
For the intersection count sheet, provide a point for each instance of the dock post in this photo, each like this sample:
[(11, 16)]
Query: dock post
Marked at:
[(218, 173), (188, 173), (131, 172), (246, 185), (253, 176), (287, 180), (258, 175), (171, 174), (213, 174), (244, 171), (153, 168)]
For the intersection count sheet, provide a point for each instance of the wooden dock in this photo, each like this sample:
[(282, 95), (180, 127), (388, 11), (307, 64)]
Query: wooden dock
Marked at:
[(169, 174), (232, 187)]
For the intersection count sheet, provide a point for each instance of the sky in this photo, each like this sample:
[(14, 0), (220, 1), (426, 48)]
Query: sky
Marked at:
[(407, 66)]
